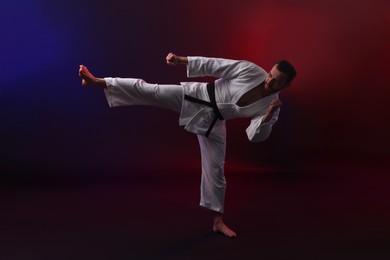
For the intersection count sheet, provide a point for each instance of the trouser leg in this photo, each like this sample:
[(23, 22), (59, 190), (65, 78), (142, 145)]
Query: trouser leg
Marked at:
[(130, 91), (213, 183)]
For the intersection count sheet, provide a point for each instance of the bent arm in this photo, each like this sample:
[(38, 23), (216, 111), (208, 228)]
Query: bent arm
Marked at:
[(260, 127)]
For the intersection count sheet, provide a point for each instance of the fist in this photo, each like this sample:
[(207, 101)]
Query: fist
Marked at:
[(172, 59), (275, 104)]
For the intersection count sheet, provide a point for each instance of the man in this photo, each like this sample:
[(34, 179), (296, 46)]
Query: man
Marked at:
[(242, 89)]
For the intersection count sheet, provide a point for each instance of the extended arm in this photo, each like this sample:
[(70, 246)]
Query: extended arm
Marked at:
[(218, 67)]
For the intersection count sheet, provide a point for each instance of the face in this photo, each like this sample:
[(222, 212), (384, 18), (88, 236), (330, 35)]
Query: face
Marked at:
[(275, 80)]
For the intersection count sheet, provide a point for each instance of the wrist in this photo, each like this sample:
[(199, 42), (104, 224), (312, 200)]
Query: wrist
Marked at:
[(183, 60), (266, 118)]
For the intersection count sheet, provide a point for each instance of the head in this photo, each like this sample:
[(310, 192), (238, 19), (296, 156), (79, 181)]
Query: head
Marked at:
[(280, 76)]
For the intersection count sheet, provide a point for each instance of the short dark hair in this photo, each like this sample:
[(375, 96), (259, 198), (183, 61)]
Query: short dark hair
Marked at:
[(285, 67)]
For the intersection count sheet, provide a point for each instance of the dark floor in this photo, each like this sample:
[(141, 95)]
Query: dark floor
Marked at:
[(329, 212)]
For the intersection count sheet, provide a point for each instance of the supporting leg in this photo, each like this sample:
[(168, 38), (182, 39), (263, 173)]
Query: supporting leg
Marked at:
[(213, 183)]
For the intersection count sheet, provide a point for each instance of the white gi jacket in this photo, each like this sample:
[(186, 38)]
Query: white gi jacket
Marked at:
[(235, 79)]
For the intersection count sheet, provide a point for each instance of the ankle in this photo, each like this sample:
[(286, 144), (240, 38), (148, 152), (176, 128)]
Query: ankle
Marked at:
[(218, 220), (99, 82)]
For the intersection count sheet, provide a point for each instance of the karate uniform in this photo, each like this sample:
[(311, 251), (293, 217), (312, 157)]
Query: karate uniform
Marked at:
[(235, 78)]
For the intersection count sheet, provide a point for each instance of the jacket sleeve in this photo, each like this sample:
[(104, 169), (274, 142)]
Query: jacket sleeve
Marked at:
[(222, 68), (258, 131)]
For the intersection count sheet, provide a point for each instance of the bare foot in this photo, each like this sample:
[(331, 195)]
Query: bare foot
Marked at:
[(222, 228), (88, 79)]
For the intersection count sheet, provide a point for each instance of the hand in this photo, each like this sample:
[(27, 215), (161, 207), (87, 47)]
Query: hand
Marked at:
[(275, 104), (172, 59)]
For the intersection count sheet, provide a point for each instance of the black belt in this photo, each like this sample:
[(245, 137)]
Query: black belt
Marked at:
[(212, 103)]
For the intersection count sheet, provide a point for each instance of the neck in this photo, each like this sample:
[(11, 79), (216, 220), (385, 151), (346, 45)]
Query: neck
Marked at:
[(263, 92)]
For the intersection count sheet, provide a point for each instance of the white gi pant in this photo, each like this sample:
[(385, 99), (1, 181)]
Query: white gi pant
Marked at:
[(130, 91)]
